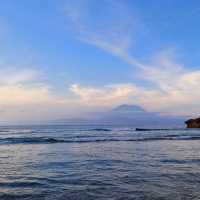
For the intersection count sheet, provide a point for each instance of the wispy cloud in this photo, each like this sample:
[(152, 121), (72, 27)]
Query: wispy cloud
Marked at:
[(11, 76), (116, 36), (174, 90), (173, 87)]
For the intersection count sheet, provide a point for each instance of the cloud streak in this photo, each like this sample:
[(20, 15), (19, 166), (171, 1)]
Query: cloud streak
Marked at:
[(173, 87), (115, 37)]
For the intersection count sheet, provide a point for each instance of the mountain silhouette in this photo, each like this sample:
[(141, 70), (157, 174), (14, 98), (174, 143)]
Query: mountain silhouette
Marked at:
[(133, 115)]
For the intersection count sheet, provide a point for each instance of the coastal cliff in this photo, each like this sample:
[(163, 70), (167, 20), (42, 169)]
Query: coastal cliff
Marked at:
[(193, 123)]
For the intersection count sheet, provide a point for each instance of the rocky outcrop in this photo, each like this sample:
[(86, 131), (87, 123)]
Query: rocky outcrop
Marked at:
[(193, 123)]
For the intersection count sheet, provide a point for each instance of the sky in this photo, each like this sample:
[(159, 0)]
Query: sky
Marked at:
[(63, 59)]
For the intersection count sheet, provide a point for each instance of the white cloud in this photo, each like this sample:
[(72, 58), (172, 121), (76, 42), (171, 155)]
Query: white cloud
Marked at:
[(107, 96), (24, 98), (174, 90)]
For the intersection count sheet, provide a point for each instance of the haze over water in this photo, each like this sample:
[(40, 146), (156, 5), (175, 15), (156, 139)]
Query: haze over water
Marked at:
[(98, 162)]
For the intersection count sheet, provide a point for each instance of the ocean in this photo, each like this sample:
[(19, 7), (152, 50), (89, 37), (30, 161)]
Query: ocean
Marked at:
[(98, 162)]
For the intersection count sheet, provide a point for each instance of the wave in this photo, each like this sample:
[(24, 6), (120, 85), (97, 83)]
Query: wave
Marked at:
[(51, 140), (32, 140), (100, 129), (20, 184), (179, 161), (159, 129)]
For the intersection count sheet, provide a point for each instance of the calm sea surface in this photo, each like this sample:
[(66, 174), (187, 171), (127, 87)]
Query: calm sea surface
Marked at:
[(90, 163)]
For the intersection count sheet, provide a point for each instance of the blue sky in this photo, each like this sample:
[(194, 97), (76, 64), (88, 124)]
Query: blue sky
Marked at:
[(72, 56)]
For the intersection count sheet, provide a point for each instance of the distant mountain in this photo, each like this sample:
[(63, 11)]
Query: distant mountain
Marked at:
[(128, 108), (129, 115), (139, 117)]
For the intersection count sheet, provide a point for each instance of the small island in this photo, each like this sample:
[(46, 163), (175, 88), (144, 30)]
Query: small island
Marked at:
[(193, 123)]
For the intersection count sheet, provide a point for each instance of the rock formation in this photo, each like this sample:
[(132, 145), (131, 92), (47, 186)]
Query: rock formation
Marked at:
[(193, 123)]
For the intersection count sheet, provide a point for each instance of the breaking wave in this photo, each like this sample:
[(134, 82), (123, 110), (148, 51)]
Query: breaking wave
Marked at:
[(49, 140)]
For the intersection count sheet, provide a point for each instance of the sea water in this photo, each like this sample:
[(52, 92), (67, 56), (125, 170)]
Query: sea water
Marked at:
[(98, 162)]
